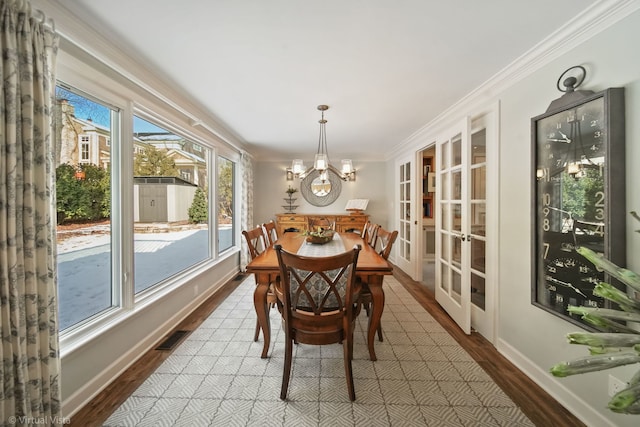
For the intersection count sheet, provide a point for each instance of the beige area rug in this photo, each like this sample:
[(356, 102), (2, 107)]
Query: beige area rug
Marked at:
[(216, 377)]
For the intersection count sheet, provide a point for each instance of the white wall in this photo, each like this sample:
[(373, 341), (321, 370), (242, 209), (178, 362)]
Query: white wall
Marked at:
[(270, 185), (529, 336), (524, 330)]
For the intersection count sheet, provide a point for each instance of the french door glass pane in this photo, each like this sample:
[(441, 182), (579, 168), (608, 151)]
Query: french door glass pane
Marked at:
[(456, 285), (456, 253), (456, 151), (171, 231), (478, 255), (479, 147), (444, 156), (445, 279), (456, 217), (478, 296), (478, 219), (83, 191), (478, 183), (444, 186), (445, 252), (456, 185), (444, 214)]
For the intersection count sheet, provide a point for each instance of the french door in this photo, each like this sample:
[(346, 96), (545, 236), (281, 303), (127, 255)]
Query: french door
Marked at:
[(405, 257), (461, 227), (453, 292)]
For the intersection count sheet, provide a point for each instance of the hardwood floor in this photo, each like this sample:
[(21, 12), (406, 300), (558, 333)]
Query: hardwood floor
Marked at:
[(541, 408)]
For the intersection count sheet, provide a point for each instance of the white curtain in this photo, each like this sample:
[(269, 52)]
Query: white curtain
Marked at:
[(246, 211), (29, 349)]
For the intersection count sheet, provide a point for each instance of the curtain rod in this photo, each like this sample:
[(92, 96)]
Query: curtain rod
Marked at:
[(24, 6)]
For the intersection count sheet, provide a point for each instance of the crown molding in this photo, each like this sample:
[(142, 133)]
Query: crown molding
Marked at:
[(73, 27), (593, 20)]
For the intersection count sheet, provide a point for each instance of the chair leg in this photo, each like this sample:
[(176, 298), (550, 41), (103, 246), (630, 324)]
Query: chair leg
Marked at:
[(347, 346), (257, 334), (288, 354)]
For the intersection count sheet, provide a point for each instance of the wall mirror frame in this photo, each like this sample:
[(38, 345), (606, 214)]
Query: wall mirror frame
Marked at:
[(318, 193)]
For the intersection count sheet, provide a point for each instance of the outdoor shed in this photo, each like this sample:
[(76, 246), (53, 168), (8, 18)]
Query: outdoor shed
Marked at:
[(162, 198)]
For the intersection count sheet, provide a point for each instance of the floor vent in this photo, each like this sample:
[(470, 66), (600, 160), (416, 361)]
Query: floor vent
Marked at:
[(172, 340), (238, 277)]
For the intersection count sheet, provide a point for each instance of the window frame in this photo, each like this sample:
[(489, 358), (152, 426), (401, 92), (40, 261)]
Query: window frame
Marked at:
[(75, 75)]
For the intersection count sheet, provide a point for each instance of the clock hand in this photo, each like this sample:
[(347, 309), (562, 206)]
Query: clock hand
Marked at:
[(566, 141), (566, 138), (565, 284)]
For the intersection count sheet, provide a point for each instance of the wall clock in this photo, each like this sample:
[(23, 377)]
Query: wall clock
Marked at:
[(579, 194)]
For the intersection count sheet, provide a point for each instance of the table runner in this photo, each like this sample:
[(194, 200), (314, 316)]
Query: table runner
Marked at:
[(334, 247)]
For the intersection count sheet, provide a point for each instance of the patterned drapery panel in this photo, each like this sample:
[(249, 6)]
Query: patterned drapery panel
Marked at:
[(29, 348), (246, 211)]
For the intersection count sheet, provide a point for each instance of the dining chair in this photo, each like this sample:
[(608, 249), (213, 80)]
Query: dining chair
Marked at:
[(257, 244), (320, 302), (369, 233), (385, 239), (270, 232), (363, 232)]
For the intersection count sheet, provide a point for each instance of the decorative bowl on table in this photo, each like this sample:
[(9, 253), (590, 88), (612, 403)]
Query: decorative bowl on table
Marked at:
[(319, 237)]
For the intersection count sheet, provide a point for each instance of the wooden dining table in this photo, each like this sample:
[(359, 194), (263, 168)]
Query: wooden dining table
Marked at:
[(371, 268)]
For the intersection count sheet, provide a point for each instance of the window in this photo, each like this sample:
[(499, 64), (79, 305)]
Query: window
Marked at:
[(83, 205), (225, 204), (84, 149), (168, 192), (171, 231)]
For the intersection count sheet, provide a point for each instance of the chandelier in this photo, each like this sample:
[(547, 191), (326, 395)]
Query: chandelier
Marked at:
[(321, 162)]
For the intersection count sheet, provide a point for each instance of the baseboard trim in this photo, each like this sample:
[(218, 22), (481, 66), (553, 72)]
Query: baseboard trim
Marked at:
[(578, 407), (90, 390)]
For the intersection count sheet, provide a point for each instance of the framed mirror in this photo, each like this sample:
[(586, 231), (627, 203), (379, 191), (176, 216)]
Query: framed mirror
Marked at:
[(320, 188), (320, 193)]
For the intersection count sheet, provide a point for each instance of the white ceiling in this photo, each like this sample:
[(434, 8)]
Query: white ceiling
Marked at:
[(385, 67)]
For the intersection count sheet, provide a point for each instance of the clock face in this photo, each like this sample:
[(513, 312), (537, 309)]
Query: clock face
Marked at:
[(567, 277), (572, 150), (572, 141)]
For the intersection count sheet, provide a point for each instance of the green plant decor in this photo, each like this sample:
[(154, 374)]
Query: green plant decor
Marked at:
[(619, 342)]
